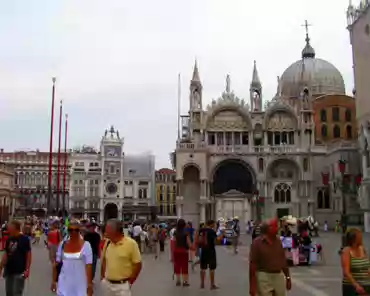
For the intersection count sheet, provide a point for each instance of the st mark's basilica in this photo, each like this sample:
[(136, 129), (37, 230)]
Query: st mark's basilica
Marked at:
[(266, 157)]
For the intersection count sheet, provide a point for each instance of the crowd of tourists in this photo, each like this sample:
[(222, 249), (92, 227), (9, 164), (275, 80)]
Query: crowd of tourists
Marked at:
[(75, 246)]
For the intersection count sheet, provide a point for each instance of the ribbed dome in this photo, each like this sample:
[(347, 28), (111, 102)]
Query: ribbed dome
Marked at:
[(320, 76)]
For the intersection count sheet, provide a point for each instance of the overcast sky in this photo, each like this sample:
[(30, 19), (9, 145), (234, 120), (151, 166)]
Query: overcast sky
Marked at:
[(117, 61)]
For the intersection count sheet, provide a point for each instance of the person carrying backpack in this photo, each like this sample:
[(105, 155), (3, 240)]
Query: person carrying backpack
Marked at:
[(206, 241)]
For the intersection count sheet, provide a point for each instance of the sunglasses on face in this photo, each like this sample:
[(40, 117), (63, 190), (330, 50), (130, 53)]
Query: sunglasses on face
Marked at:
[(73, 230)]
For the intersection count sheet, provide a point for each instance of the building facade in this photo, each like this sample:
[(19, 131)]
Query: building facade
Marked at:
[(106, 183), (165, 180), (7, 200), (255, 160), (31, 173), (359, 29)]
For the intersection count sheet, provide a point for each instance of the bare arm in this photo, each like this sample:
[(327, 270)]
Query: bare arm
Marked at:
[(29, 260), (103, 261), (89, 274), (136, 260), (346, 266), (3, 262)]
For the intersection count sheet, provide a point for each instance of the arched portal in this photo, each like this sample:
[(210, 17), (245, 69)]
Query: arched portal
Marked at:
[(110, 211), (233, 175), (233, 184), (191, 194)]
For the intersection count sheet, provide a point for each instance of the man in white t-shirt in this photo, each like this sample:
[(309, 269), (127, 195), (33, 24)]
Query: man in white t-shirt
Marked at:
[(136, 232)]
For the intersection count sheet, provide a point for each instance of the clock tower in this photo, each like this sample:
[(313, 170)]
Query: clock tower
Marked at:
[(112, 168)]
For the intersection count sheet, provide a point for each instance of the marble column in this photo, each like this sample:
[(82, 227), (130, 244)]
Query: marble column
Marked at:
[(179, 207), (364, 166), (218, 208), (202, 212)]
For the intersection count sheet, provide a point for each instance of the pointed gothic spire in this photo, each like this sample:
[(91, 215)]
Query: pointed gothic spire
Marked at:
[(196, 77), (228, 83), (308, 51), (255, 78)]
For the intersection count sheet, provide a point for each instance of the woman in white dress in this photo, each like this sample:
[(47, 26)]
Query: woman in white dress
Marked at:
[(74, 260)]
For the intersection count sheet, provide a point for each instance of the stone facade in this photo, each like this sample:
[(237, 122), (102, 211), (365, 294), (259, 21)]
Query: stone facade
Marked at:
[(7, 197), (31, 173), (255, 160), (359, 28), (109, 184)]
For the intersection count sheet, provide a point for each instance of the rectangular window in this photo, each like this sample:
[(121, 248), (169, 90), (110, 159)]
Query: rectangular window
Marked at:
[(237, 138), (245, 139), (335, 111), (220, 138), (112, 169), (211, 139)]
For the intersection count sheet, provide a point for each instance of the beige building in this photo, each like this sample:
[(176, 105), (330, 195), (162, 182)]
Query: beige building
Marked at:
[(7, 197), (359, 28), (255, 160), (107, 183)]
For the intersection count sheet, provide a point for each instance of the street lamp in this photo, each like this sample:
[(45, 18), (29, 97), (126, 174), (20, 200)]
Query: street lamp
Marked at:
[(257, 199)]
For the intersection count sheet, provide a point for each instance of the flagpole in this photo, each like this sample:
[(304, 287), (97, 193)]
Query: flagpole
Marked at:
[(178, 106), (50, 176), (59, 156), (65, 163)]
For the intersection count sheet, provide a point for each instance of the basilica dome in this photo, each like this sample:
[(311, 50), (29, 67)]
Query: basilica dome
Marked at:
[(318, 75)]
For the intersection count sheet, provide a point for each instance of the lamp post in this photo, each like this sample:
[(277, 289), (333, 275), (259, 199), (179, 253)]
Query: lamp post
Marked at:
[(256, 200)]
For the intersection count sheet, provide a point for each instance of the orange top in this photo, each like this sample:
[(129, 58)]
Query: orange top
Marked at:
[(53, 237)]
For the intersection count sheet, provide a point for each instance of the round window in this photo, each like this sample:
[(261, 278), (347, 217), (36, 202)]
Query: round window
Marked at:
[(111, 188)]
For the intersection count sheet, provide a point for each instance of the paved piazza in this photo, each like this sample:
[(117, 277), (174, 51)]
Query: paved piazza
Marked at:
[(232, 274)]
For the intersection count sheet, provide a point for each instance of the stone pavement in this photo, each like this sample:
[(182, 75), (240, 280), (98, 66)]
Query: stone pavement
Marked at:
[(232, 274)]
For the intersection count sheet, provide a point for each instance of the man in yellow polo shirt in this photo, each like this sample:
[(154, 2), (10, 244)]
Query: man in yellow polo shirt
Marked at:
[(121, 261)]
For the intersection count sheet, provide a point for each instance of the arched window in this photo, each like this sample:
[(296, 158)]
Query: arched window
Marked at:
[(260, 165), (282, 193), (323, 115), (336, 132), (323, 199), (349, 132), (348, 115), (324, 131)]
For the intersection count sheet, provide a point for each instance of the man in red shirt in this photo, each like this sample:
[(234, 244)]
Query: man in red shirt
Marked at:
[(268, 268)]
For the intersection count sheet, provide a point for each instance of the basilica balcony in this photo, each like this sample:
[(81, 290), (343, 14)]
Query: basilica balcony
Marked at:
[(228, 149), (191, 146), (281, 149)]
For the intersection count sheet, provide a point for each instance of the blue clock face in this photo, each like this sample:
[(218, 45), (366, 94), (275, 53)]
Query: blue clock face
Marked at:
[(111, 188)]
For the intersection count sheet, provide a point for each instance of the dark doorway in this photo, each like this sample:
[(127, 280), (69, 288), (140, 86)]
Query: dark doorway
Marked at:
[(281, 212), (110, 211), (232, 175)]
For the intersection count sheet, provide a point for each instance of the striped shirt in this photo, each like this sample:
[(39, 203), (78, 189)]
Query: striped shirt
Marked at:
[(359, 270)]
